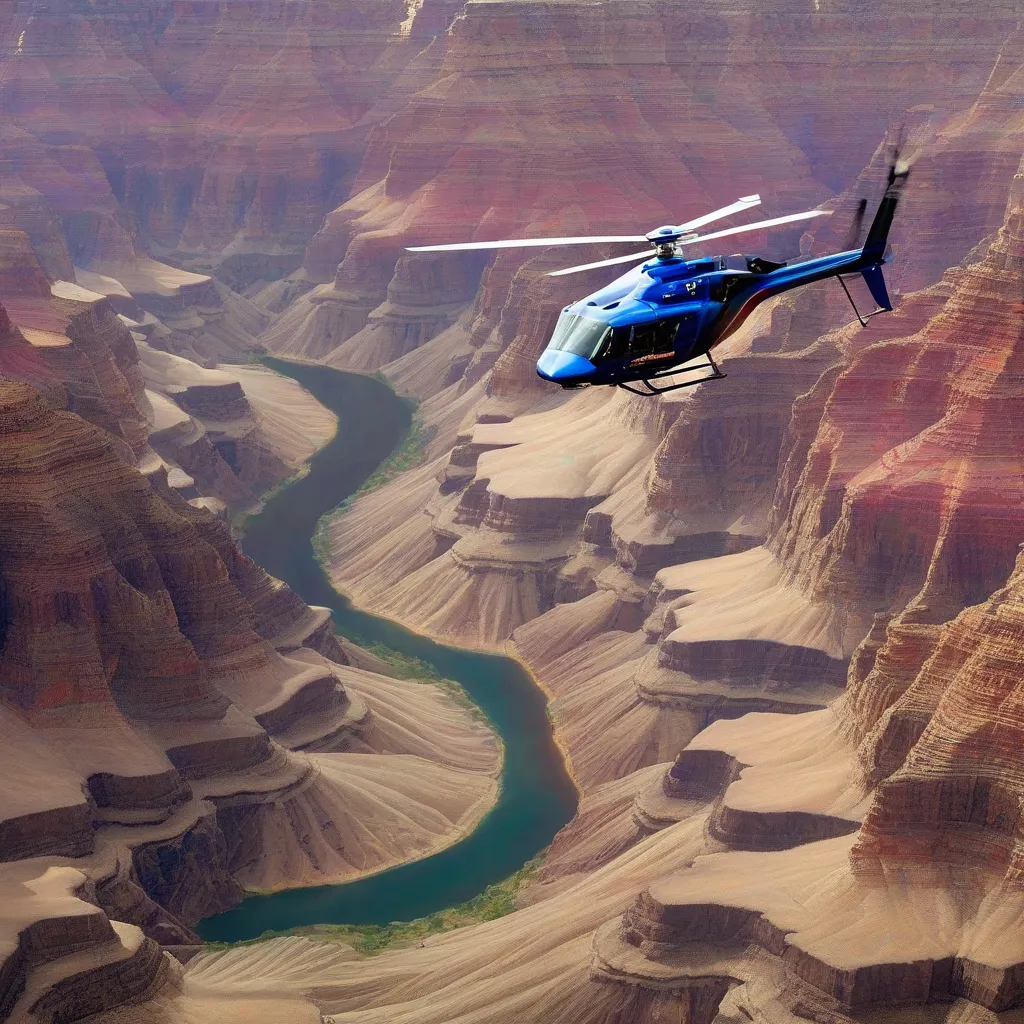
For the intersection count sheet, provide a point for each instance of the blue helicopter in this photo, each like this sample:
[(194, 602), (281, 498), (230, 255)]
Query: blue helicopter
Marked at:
[(669, 311)]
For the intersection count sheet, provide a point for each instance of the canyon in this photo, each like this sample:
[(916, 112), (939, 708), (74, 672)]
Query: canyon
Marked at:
[(778, 617)]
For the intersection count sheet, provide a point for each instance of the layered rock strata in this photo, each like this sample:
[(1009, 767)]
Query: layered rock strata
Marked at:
[(177, 722), (235, 430), (71, 343), (945, 461), (154, 126)]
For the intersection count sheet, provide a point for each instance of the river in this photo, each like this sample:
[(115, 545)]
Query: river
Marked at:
[(537, 797)]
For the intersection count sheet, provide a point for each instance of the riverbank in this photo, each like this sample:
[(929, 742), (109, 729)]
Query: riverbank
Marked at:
[(537, 795)]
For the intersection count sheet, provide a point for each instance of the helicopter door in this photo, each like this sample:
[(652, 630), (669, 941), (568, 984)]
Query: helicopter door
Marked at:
[(724, 286), (650, 342), (654, 341)]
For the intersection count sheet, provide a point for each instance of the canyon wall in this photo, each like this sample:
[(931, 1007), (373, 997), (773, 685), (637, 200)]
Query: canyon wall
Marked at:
[(857, 861), (777, 614), (177, 722), (151, 123)]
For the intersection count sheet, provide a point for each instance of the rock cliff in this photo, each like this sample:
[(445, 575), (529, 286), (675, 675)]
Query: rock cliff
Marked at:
[(778, 617), (176, 722), (152, 124), (859, 860)]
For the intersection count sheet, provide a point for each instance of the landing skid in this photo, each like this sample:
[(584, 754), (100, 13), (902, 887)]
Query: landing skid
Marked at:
[(716, 374)]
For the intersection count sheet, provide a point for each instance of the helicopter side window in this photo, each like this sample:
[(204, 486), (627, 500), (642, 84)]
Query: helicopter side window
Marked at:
[(653, 338), (647, 339)]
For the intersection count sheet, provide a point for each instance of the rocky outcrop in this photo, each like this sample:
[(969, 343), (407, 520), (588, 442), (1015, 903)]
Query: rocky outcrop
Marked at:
[(156, 697), (70, 343), (923, 739), (236, 430), (938, 465), (72, 960)]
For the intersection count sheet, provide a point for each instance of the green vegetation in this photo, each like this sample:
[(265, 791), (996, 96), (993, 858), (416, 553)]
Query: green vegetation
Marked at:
[(408, 667), (495, 901), (407, 455)]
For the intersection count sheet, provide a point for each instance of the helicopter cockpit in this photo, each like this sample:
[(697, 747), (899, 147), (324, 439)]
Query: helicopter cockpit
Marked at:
[(598, 341), (578, 334)]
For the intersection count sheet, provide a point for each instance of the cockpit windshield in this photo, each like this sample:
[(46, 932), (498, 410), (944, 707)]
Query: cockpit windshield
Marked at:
[(578, 334)]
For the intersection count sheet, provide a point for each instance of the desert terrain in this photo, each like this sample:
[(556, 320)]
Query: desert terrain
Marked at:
[(778, 616)]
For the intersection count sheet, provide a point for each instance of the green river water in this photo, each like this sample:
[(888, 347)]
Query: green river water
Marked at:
[(537, 796)]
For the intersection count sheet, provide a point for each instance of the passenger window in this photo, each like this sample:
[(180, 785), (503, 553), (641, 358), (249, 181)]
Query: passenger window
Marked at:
[(647, 339), (656, 337)]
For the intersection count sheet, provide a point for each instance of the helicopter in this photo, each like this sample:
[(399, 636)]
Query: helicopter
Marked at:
[(669, 311)]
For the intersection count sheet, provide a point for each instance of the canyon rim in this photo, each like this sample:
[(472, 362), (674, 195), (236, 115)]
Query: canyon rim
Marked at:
[(778, 617)]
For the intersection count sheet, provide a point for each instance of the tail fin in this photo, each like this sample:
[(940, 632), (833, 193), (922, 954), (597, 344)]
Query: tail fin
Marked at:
[(876, 285), (878, 233)]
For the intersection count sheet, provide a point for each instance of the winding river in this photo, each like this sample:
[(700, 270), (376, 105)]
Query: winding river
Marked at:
[(537, 796)]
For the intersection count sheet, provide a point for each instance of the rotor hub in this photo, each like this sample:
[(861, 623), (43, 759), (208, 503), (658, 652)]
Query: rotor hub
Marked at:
[(667, 239), (666, 233)]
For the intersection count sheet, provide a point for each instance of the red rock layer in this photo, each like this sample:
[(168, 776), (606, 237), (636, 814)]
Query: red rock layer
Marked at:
[(954, 737), (932, 499), (65, 579), (963, 174), (157, 118), (115, 601), (77, 348)]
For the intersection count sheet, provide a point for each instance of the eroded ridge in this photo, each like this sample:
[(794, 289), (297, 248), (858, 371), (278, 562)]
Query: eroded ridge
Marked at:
[(177, 724), (918, 902)]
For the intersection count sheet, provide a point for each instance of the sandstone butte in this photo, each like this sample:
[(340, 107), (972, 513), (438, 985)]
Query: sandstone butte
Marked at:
[(779, 617)]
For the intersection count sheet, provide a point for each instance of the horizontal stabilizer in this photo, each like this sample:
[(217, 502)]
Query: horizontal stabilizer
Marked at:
[(876, 285)]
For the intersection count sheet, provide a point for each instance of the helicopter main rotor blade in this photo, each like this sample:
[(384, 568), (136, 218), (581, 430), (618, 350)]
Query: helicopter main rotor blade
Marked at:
[(632, 258), (515, 243), (757, 225), (774, 222), (745, 203)]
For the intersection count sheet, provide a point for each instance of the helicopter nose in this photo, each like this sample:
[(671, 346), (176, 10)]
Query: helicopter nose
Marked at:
[(562, 367)]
